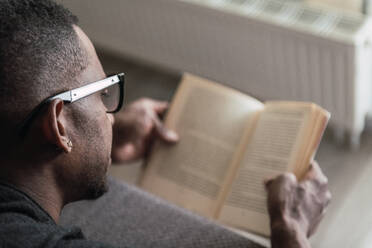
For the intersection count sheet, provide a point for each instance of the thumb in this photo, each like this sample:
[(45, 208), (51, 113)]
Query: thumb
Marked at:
[(165, 133), (268, 181), (125, 153)]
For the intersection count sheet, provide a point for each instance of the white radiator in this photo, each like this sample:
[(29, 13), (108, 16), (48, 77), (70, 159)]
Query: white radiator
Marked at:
[(269, 49)]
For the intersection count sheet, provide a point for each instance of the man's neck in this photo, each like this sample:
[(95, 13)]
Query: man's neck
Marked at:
[(41, 186)]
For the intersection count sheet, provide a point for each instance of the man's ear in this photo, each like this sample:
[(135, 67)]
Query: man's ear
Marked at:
[(53, 125)]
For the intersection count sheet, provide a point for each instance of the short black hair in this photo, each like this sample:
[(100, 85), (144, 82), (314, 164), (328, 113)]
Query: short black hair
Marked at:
[(40, 55)]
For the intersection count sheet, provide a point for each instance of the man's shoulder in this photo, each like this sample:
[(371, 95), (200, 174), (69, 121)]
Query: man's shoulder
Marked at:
[(17, 230), (23, 223), (16, 206), (12, 218), (20, 225)]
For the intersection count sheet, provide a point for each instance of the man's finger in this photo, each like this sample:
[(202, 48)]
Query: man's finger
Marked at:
[(128, 152), (165, 133), (159, 106), (267, 181), (280, 183), (124, 153), (316, 174), (278, 191)]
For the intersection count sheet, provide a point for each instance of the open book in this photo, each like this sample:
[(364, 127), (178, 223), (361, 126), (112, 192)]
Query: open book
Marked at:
[(229, 144)]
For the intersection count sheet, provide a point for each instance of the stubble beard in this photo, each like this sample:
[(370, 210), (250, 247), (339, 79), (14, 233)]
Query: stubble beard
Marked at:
[(99, 155), (93, 177), (95, 182)]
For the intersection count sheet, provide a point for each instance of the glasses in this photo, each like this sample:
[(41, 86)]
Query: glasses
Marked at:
[(111, 91)]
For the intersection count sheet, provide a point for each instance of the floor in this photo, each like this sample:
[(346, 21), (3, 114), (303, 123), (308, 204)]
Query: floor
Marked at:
[(348, 222)]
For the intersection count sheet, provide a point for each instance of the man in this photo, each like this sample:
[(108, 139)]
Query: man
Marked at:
[(56, 134)]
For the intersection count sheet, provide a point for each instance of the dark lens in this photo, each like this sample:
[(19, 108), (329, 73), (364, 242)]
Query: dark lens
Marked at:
[(111, 97)]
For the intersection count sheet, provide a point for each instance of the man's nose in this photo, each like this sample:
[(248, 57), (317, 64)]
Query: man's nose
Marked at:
[(111, 118)]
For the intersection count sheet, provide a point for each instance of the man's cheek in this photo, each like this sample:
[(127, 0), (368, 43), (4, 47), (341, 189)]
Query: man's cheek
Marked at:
[(111, 118), (108, 135)]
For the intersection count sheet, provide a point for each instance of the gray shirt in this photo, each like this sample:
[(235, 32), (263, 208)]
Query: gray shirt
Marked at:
[(23, 223)]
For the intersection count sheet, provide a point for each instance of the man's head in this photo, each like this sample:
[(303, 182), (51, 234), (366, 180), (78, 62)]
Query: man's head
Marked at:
[(42, 53)]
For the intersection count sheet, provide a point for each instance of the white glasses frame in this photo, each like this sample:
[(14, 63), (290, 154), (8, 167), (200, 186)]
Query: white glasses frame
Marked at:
[(73, 95)]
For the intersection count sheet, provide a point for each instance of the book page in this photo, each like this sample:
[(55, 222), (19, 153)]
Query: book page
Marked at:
[(274, 148), (210, 120), (312, 141)]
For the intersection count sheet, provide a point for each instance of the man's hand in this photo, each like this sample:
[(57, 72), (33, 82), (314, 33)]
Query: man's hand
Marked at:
[(136, 127), (296, 208)]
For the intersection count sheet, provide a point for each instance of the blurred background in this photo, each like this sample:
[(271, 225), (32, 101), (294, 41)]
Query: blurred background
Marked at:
[(314, 50)]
